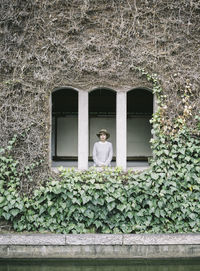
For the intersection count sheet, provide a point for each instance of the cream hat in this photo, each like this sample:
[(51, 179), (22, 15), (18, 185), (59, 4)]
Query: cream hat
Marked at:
[(103, 131)]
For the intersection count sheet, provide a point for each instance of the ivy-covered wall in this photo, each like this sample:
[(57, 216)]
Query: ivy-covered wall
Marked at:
[(164, 198), (86, 44)]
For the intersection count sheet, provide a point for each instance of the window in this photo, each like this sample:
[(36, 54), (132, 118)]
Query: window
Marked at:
[(102, 115), (65, 127), (78, 115), (139, 113)]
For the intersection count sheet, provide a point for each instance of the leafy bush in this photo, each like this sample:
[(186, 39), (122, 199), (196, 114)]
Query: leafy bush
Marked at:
[(164, 198)]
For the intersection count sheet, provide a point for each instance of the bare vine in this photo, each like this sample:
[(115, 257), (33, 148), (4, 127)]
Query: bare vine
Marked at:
[(47, 44)]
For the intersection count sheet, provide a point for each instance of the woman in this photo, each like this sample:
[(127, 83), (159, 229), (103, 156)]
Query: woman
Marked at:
[(102, 150)]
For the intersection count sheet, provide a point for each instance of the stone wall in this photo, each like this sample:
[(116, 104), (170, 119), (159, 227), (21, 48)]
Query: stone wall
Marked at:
[(100, 246)]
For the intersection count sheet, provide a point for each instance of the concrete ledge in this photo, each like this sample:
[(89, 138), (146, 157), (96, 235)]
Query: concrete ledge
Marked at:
[(94, 239), (32, 239), (99, 246), (162, 239)]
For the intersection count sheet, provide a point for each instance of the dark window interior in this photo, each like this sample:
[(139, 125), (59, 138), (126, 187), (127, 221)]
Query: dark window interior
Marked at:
[(139, 102), (139, 105), (102, 101), (65, 101)]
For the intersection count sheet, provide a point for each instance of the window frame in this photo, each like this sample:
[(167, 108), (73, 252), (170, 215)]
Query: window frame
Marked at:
[(83, 125)]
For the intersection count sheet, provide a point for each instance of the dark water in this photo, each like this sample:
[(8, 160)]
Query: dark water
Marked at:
[(100, 265)]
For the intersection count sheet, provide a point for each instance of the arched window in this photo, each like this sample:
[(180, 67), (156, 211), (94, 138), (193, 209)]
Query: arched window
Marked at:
[(77, 116), (102, 115), (139, 113), (65, 127)]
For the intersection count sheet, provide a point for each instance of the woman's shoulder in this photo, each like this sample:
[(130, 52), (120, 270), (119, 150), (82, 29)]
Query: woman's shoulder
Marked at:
[(97, 143), (109, 143)]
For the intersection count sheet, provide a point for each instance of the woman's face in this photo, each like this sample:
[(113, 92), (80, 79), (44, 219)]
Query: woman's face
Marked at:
[(103, 137)]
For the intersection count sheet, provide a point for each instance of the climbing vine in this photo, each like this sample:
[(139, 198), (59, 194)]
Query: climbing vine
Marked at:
[(85, 44), (164, 198)]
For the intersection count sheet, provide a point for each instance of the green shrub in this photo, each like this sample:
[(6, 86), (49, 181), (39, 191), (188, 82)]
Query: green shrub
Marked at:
[(164, 198)]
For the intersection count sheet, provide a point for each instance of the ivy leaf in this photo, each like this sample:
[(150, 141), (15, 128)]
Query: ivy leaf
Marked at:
[(192, 216), (109, 199), (2, 199), (52, 212), (111, 206), (89, 214), (98, 224), (14, 212)]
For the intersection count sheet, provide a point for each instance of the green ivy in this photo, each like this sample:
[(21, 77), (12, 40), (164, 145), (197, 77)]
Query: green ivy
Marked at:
[(162, 199), (11, 202)]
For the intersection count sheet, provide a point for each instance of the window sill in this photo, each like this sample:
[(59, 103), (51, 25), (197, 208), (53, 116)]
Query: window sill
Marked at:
[(131, 165)]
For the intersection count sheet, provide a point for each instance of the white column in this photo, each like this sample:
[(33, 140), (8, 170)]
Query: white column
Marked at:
[(121, 130), (155, 105), (83, 130)]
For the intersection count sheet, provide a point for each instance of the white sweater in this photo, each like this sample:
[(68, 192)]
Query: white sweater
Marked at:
[(102, 153)]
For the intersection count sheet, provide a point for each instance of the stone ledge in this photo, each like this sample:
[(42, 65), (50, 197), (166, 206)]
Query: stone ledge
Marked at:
[(128, 246), (162, 239), (100, 251), (94, 239), (32, 239), (100, 239)]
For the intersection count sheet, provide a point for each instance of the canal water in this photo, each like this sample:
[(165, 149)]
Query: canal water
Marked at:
[(100, 265)]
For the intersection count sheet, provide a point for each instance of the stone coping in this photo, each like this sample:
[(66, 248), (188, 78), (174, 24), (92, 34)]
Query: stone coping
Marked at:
[(99, 246), (99, 239)]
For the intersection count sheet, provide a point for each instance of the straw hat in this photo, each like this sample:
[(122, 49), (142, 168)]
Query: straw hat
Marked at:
[(103, 131)]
